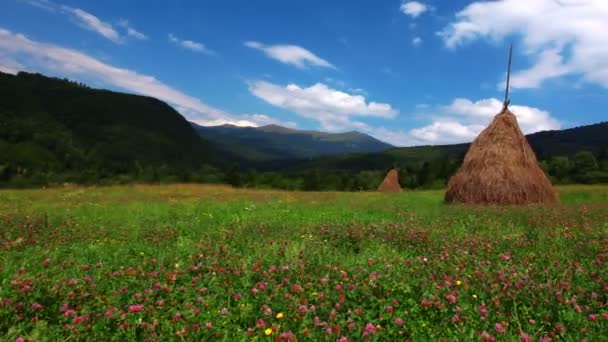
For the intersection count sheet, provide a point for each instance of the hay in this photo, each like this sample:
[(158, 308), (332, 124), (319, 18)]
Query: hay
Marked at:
[(500, 168), (390, 182)]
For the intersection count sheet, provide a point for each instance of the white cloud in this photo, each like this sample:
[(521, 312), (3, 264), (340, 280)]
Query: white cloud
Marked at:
[(42, 4), (413, 8), (10, 66), (247, 120), (290, 54), (358, 91), (330, 107), (566, 37), (91, 22), (463, 120), (263, 120), (416, 41), (190, 45), (55, 59), (445, 132), (131, 32)]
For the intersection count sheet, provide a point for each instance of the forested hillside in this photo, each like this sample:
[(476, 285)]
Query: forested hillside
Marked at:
[(54, 130)]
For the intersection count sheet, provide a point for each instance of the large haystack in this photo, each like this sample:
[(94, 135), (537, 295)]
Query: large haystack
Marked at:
[(500, 168), (390, 182)]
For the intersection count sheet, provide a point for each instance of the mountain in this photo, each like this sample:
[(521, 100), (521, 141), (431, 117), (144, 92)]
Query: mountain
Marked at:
[(50, 126), (55, 131), (546, 144), (274, 142), (568, 142)]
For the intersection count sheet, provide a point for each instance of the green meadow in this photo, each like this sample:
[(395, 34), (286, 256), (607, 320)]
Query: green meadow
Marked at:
[(199, 262)]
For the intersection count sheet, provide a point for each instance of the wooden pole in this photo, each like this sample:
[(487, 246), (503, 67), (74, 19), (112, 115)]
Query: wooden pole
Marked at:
[(507, 100)]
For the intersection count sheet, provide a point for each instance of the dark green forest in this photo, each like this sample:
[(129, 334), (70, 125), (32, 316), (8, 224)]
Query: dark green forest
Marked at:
[(55, 131)]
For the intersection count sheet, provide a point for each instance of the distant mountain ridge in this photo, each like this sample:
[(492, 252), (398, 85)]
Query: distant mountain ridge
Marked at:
[(546, 144), (273, 142)]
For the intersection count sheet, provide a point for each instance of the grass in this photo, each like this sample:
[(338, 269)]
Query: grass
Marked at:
[(209, 262)]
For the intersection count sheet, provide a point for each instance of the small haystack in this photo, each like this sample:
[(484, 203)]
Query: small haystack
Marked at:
[(390, 182), (500, 168)]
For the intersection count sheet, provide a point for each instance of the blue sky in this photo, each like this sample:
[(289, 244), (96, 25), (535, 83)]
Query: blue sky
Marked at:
[(406, 72)]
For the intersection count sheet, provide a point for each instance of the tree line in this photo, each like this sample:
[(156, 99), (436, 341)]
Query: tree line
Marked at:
[(582, 168)]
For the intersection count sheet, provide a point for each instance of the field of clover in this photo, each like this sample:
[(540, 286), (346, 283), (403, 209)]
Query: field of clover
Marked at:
[(192, 262)]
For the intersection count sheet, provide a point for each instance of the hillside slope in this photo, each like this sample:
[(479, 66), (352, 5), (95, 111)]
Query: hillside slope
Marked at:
[(547, 144), (51, 126), (274, 142)]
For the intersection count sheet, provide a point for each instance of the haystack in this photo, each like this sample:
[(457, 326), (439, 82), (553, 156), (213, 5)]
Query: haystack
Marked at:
[(390, 182), (500, 168)]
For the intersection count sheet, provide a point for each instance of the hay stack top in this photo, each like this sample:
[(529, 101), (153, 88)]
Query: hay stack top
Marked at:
[(390, 182), (500, 168)]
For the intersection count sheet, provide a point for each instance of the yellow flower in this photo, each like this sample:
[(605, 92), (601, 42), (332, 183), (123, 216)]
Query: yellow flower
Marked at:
[(378, 327), (475, 296), (458, 282), (279, 315), (268, 331)]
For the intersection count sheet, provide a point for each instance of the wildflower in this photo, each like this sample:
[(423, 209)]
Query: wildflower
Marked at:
[(390, 309), (486, 337), (474, 296), (19, 339), (288, 336), (280, 315), (525, 338), (136, 308), (399, 321), (80, 319), (223, 311), (302, 309), (268, 331), (36, 307), (500, 328), (593, 317), (458, 282), (483, 311), (208, 325)]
